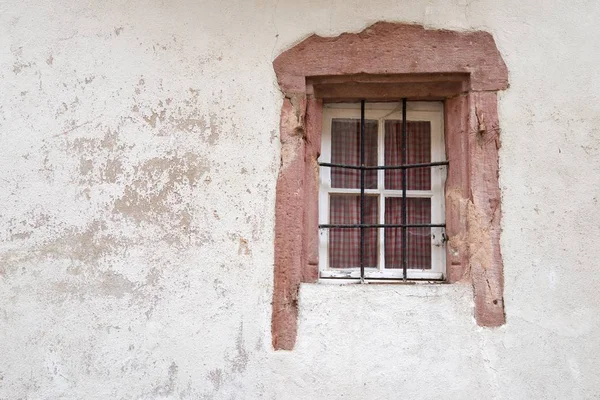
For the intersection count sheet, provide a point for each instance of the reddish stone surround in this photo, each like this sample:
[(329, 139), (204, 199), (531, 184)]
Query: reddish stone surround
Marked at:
[(386, 62)]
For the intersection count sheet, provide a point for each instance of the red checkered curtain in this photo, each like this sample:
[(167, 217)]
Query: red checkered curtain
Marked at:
[(418, 146), (344, 243), (345, 149), (418, 209), (419, 239)]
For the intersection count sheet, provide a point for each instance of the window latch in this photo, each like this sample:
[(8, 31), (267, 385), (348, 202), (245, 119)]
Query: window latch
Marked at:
[(442, 241)]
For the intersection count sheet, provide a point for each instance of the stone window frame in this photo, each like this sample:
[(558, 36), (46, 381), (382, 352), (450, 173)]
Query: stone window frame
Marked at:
[(385, 62)]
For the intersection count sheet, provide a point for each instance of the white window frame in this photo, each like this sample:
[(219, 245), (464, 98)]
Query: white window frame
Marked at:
[(415, 111)]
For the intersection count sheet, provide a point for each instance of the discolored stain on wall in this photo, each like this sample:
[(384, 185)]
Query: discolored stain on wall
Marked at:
[(156, 190), (86, 245), (20, 64), (185, 114), (235, 366), (168, 387), (158, 187), (244, 248), (95, 284), (240, 360), (101, 159), (215, 376)]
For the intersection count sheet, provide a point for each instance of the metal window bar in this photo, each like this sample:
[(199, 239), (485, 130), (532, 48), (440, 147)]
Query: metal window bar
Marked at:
[(404, 209), (367, 168), (404, 183), (362, 191), (355, 226)]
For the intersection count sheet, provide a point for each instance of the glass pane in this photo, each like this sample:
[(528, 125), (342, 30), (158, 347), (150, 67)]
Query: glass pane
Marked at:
[(345, 149), (419, 239), (344, 243), (418, 149)]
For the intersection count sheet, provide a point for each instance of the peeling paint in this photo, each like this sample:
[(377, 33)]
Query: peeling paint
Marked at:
[(157, 186), (87, 245), (165, 116)]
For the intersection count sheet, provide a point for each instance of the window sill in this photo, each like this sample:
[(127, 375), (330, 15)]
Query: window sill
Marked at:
[(374, 274), (354, 281)]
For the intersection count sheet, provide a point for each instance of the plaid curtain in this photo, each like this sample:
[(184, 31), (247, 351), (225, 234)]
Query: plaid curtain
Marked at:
[(345, 149), (419, 239), (344, 243), (418, 145)]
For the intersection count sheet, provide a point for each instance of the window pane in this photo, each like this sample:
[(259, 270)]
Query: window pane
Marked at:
[(344, 243), (418, 146), (419, 239), (345, 149)]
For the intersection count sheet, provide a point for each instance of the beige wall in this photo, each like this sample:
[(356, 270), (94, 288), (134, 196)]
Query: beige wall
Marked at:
[(138, 156)]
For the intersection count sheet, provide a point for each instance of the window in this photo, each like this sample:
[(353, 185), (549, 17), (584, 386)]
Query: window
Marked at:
[(383, 63), (407, 247)]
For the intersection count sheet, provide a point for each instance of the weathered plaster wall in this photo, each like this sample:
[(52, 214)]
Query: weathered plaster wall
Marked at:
[(139, 153)]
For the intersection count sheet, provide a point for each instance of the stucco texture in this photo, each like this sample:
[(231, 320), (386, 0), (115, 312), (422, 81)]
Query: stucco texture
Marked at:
[(139, 151)]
